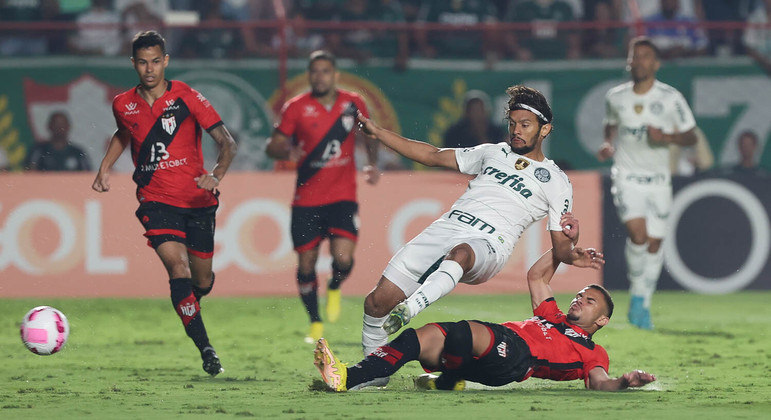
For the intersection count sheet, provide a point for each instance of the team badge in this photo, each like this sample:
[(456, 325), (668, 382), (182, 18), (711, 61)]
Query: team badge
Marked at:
[(638, 108), (169, 124), (657, 108), (347, 121), (521, 164), (542, 174)]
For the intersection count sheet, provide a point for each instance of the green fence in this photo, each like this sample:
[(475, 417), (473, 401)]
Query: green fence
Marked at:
[(727, 97)]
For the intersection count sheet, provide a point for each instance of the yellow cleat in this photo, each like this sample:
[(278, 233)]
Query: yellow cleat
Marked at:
[(316, 331), (427, 382), (333, 371), (333, 305)]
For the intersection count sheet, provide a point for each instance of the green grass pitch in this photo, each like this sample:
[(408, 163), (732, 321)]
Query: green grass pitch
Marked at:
[(130, 359)]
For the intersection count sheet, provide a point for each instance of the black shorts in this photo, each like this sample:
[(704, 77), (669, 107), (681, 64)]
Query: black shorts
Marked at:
[(506, 360), (312, 224), (192, 227)]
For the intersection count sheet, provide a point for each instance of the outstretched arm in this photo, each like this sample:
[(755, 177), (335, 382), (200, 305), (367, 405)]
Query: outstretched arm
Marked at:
[(600, 381), (541, 273), (418, 151), (117, 144)]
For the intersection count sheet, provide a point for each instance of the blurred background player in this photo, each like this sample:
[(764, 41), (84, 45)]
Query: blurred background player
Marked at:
[(551, 345), (474, 127), (178, 198), (515, 186), (58, 153), (317, 131), (646, 116)]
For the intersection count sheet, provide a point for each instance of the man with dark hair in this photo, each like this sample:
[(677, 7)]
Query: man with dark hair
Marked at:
[(178, 198), (58, 153), (747, 144), (551, 345), (317, 130), (515, 186), (646, 116), (474, 127)]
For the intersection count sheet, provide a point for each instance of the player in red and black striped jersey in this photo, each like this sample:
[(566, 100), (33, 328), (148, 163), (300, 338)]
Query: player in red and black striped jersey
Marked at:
[(551, 345), (317, 130), (162, 120)]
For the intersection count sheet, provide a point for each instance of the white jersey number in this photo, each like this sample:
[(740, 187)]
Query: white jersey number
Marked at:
[(158, 152), (332, 150)]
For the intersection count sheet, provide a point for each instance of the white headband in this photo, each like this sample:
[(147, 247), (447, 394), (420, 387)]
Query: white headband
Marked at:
[(533, 110)]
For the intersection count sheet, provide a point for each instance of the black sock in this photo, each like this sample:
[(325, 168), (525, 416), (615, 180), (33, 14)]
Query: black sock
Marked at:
[(386, 360), (339, 274), (189, 310), (309, 287), (201, 292)]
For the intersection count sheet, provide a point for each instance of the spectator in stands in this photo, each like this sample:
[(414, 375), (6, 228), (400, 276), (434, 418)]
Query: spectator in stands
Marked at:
[(457, 44), (58, 154), (365, 43), (676, 35), (300, 41), (602, 41), (219, 42), (543, 40), (25, 43), (724, 42), (140, 15), (98, 31), (748, 159), (757, 38), (474, 127)]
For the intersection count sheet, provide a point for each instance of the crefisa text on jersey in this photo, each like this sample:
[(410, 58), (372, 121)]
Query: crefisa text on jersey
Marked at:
[(516, 180)]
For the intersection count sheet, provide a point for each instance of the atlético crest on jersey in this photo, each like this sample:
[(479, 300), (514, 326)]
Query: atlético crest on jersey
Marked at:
[(168, 123), (521, 164)]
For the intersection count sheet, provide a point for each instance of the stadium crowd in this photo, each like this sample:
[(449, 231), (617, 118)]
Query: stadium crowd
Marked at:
[(499, 29)]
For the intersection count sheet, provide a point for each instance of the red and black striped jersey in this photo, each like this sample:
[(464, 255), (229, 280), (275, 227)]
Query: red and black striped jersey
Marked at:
[(166, 143), (563, 351), (326, 172)]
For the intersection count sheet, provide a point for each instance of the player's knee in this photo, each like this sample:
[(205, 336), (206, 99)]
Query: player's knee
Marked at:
[(638, 238), (463, 254), (654, 245), (178, 269), (342, 264), (377, 305), (203, 280)]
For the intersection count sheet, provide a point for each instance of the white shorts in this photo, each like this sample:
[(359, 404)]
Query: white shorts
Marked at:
[(421, 256), (651, 201)]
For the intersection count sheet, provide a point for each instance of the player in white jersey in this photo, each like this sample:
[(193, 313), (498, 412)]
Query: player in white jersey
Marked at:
[(645, 116), (515, 185)]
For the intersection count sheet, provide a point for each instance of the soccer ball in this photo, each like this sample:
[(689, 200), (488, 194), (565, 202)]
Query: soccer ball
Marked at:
[(44, 330)]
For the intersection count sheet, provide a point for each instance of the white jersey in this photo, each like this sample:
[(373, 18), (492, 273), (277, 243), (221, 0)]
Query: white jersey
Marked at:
[(661, 107), (509, 193)]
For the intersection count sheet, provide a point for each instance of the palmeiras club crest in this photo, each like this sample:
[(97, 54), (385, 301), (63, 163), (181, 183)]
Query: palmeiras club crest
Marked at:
[(169, 123)]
